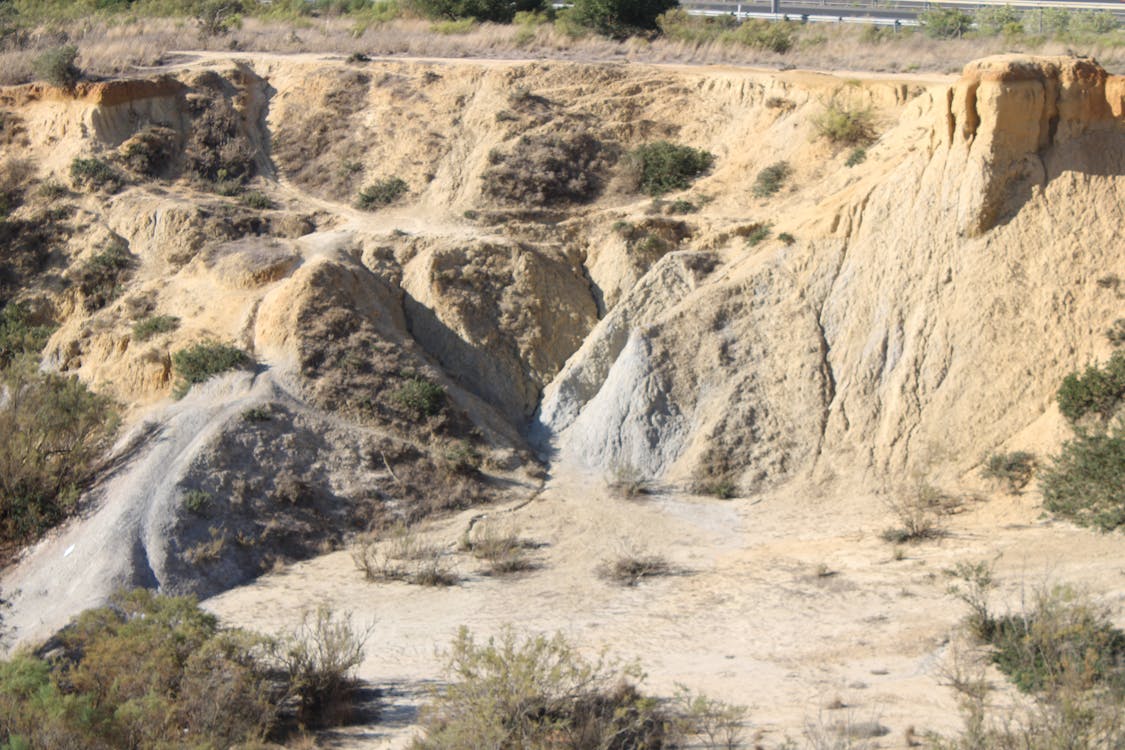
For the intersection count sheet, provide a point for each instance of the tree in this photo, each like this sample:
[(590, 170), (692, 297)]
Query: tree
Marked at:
[(945, 23), (620, 17), (496, 11)]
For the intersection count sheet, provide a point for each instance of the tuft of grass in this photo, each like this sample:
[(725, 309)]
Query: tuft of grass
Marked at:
[(382, 193), (770, 179), (628, 481), (503, 551), (665, 166), (203, 361), (256, 199), (145, 329)]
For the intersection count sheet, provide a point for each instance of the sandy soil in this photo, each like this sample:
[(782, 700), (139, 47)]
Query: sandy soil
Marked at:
[(786, 604)]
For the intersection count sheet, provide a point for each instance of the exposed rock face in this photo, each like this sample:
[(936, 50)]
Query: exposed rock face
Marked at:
[(907, 315)]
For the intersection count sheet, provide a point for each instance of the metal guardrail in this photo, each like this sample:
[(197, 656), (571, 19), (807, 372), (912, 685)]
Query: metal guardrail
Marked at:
[(869, 20), (913, 6)]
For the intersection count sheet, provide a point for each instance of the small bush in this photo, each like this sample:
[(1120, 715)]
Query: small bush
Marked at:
[(1086, 481), (197, 501), (145, 329), (758, 235), (497, 11), (721, 724), (630, 568), (997, 19), (320, 656), (382, 193), (256, 199), (856, 157), (216, 17), (681, 206), (99, 278), (919, 512), (618, 18), (1098, 390), (420, 397), (1116, 332), (145, 671), (665, 166), (843, 126), (944, 23), (545, 170), (56, 66), (787, 238), (95, 174), (203, 361), (1064, 633), (54, 432), (19, 336), (149, 152), (1013, 469), (462, 458), (770, 179), (537, 692), (504, 552), (1093, 22), (628, 481), (775, 36)]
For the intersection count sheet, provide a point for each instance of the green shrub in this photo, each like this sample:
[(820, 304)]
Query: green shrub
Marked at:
[(918, 510), (19, 336), (146, 671), (463, 458), (197, 501), (55, 430), (1097, 390), (681, 206), (1013, 469), (56, 66), (420, 397), (944, 23), (1063, 634), (382, 193), (537, 692), (665, 166), (145, 329), (203, 361), (844, 126), (856, 157), (1086, 481), (216, 17), (150, 151), (787, 238), (95, 174), (770, 179)]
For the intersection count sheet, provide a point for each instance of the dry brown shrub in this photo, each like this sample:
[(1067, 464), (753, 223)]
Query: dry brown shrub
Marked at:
[(548, 169)]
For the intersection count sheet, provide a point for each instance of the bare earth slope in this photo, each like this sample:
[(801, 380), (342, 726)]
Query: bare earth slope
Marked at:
[(904, 318)]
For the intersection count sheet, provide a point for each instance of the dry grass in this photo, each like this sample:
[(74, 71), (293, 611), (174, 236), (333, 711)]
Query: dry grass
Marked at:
[(108, 49)]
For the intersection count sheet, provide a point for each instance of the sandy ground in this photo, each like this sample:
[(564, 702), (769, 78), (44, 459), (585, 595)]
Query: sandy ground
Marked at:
[(787, 603)]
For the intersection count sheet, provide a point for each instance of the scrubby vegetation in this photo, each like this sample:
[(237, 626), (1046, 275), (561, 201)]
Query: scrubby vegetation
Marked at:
[(55, 430), (203, 361), (842, 125), (919, 510), (770, 179), (514, 692), (1098, 390), (1086, 481), (56, 66), (630, 568), (544, 170), (94, 174), (419, 397), (1062, 648), (151, 671), (381, 193), (100, 277), (145, 329), (1014, 470), (663, 166)]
